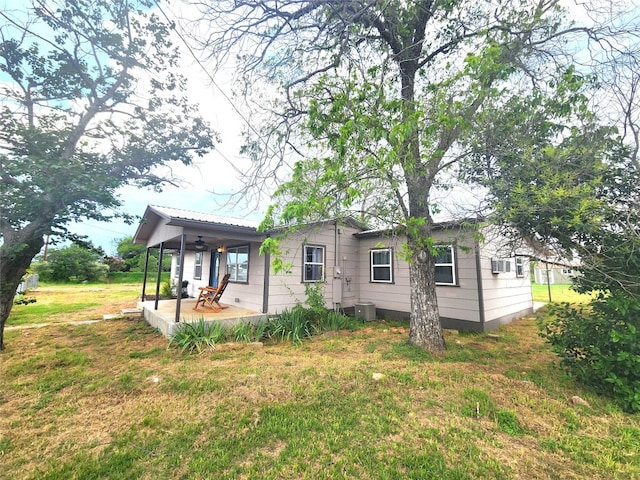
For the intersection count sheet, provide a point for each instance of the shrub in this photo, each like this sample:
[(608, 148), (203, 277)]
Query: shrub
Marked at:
[(336, 321), (600, 345), (75, 264), (316, 301), (197, 337), (249, 332), (24, 300), (295, 325), (165, 289)]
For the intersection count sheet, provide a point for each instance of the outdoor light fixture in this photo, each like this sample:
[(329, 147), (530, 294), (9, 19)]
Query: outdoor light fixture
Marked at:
[(220, 249), (200, 245)]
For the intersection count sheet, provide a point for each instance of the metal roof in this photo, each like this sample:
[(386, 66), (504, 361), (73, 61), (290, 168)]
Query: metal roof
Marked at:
[(190, 215)]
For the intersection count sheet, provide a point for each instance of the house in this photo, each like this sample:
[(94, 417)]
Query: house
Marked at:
[(553, 272), (478, 286)]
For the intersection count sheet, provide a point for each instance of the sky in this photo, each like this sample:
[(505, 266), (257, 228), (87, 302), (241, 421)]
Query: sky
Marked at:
[(213, 172)]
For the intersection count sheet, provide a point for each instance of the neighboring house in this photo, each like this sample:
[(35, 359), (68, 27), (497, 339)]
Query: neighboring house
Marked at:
[(477, 289), (555, 272)]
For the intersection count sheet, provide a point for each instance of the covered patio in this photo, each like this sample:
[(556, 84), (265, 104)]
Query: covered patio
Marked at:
[(199, 243), (164, 317)]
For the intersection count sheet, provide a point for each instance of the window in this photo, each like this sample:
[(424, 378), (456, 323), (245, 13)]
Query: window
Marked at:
[(313, 265), (445, 265), (567, 271), (197, 270), (177, 266), (519, 266), (381, 267), (500, 265), (238, 264)]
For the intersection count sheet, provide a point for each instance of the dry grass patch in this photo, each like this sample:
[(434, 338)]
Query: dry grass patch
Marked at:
[(110, 400), (72, 303)]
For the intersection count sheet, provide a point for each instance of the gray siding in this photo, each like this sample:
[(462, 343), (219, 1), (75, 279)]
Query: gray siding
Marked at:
[(341, 264), (457, 302), (506, 296)]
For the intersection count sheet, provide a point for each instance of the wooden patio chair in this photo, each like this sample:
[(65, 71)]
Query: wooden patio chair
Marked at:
[(210, 296)]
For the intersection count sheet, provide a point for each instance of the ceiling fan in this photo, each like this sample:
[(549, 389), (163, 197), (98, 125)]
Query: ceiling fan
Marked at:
[(200, 245)]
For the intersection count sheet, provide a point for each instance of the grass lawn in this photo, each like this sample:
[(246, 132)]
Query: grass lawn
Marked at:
[(559, 293), (110, 401), (67, 303)]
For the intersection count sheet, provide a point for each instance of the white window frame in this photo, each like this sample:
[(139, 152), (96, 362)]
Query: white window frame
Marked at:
[(306, 264), (237, 250), (374, 266), (452, 265), (197, 265), (520, 266), (176, 272)]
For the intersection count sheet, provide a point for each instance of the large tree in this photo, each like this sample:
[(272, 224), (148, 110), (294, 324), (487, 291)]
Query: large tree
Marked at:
[(91, 101), (375, 100)]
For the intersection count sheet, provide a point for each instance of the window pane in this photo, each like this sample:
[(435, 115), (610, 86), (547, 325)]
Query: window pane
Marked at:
[(314, 254), (313, 268), (382, 274), (444, 274), (444, 255), (381, 257), (313, 272), (197, 274), (238, 263)]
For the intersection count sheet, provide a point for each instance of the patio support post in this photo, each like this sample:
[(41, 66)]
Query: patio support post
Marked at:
[(158, 277), (183, 245), (144, 279)]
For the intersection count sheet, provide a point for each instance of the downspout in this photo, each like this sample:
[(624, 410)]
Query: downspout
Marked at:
[(158, 277), (336, 264), (144, 278), (479, 283), (183, 245), (265, 287)]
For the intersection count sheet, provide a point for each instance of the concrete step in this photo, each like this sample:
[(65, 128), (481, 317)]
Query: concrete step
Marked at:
[(125, 314)]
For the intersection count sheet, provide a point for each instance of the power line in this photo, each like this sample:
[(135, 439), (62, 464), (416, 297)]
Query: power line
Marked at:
[(213, 82)]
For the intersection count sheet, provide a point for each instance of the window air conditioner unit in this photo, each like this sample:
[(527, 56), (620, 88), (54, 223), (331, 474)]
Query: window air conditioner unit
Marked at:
[(500, 265)]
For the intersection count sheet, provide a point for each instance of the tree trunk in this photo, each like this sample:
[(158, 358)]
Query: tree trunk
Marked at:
[(425, 329), (16, 255)]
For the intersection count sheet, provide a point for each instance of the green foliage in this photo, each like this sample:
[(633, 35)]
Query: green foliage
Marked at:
[(249, 332), (24, 300), (610, 255), (295, 325), (131, 253), (61, 163), (165, 289), (302, 322), (316, 300), (337, 321), (600, 345), (197, 337), (543, 172), (115, 264), (72, 264), (136, 277), (133, 256)]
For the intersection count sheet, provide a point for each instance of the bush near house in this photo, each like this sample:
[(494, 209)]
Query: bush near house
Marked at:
[(599, 344), (73, 264)]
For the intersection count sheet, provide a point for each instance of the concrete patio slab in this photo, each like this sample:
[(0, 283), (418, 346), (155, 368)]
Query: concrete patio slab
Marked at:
[(164, 317)]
